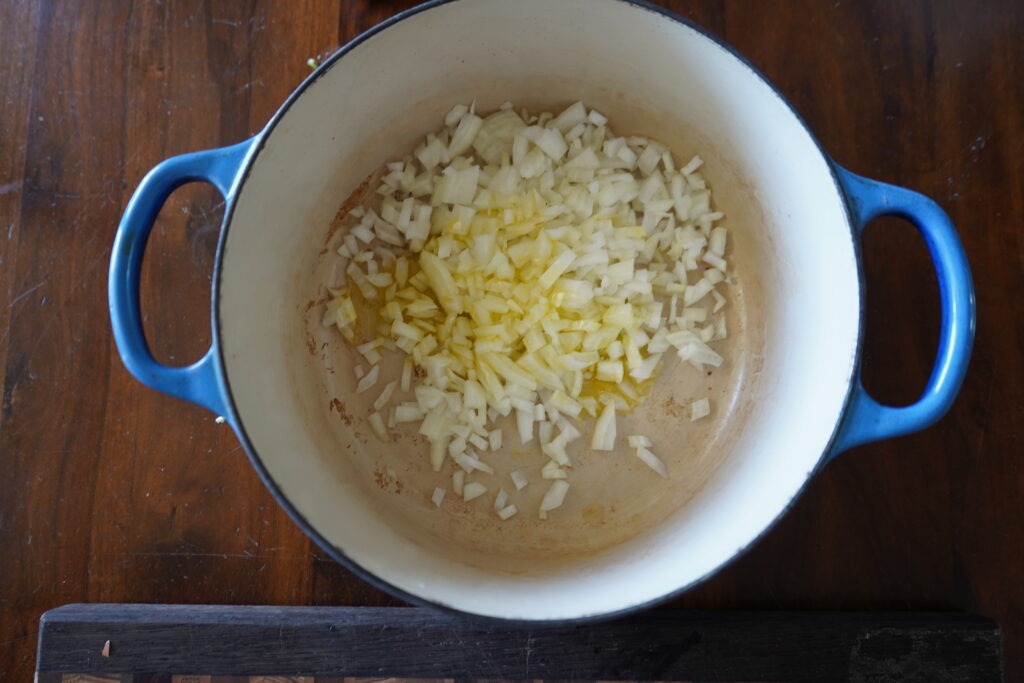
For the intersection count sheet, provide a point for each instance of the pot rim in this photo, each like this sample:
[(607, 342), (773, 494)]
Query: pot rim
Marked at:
[(338, 554)]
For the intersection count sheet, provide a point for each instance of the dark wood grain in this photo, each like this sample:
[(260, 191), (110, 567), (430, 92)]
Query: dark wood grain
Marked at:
[(112, 492), (419, 643)]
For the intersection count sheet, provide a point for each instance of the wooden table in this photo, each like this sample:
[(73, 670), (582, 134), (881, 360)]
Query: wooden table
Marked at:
[(112, 492)]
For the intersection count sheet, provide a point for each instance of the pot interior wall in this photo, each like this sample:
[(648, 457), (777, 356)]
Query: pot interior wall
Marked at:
[(624, 536)]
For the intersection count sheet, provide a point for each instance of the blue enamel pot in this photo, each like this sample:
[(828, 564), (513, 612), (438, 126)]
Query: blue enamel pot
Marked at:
[(788, 399)]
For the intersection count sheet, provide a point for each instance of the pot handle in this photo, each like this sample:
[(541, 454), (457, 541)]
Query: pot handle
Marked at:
[(199, 382), (867, 420)]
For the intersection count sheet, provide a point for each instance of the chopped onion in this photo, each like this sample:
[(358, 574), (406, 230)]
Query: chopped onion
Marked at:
[(473, 490), (500, 500), (507, 511), (524, 423), (408, 412), (496, 135), (368, 380), (604, 430), (652, 461), (470, 462), (554, 497), (552, 471), (437, 451), (455, 115), (540, 265), (385, 396), (573, 115), (699, 409), (438, 497), (692, 166), (610, 371), (719, 301), (552, 143), (555, 449), (519, 479), (464, 135), (377, 424)]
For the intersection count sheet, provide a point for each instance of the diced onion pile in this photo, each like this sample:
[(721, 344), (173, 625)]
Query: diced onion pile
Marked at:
[(529, 266)]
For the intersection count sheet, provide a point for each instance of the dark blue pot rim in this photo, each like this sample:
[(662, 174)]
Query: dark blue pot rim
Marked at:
[(336, 553)]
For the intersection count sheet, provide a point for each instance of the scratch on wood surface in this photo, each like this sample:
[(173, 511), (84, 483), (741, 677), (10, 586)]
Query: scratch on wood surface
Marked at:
[(247, 86), (26, 293), (74, 288), (10, 187), (101, 258)]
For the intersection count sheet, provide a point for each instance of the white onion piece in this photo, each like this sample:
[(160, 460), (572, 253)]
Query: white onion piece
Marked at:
[(519, 479), (699, 409), (437, 451), (524, 423), (455, 115), (368, 380), (555, 449), (552, 144), (652, 461), (507, 512), (501, 500), (573, 115), (694, 163), (377, 424), (554, 497), (552, 470), (719, 301), (438, 497), (464, 135), (496, 135), (470, 462), (637, 441), (473, 490), (385, 395), (408, 412), (544, 431), (604, 430), (407, 368), (609, 371)]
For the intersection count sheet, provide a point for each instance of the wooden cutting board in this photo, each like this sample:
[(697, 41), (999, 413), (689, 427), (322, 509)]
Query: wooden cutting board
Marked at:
[(217, 644)]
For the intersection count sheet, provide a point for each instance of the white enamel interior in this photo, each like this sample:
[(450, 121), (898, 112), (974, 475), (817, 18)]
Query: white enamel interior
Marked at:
[(632, 63)]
